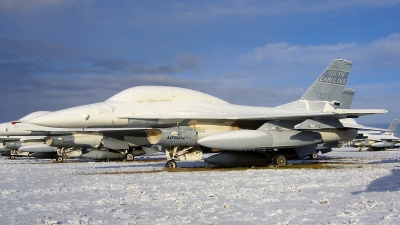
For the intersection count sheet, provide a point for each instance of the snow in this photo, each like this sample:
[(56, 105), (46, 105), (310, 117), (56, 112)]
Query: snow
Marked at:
[(360, 188), (162, 94)]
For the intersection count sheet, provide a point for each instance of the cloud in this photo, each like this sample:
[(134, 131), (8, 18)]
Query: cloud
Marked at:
[(379, 53), (283, 53), (33, 5), (111, 64), (148, 13), (210, 10), (189, 61), (374, 74), (38, 75), (184, 63), (207, 11), (19, 49)]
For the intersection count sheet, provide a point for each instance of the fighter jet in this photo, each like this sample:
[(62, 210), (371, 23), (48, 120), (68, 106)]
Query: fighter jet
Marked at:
[(378, 141), (28, 146), (61, 143), (185, 121), (5, 145), (26, 140)]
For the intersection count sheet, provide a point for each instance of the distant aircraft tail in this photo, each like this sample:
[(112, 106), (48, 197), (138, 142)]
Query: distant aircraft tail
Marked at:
[(392, 127), (327, 92)]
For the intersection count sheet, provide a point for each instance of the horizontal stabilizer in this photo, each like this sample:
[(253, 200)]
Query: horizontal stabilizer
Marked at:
[(351, 123), (353, 113)]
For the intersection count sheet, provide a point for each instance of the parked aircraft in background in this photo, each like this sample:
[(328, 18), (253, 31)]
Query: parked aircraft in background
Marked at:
[(378, 141), (56, 142), (29, 146), (184, 121), (26, 141), (5, 144)]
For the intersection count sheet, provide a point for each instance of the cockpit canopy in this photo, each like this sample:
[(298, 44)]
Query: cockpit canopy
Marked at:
[(162, 94)]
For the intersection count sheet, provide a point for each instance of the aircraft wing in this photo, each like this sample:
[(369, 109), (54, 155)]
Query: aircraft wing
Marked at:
[(271, 115), (362, 127), (383, 138), (242, 116)]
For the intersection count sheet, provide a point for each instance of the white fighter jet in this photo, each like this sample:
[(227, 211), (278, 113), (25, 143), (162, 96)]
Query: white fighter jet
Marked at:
[(15, 141), (21, 137), (183, 122), (378, 141)]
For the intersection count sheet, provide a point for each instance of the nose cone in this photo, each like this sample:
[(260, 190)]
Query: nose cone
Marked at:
[(3, 129), (98, 114), (10, 129)]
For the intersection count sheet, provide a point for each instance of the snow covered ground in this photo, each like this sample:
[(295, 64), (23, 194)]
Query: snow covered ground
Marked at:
[(360, 188)]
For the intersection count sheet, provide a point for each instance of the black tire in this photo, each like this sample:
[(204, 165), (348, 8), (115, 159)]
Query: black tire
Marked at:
[(314, 156), (280, 160), (170, 164), (12, 157), (59, 159), (129, 157)]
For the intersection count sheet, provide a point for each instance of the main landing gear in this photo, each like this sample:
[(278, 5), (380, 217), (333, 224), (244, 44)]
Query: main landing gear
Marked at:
[(314, 156), (280, 160), (170, 164), (61, 154), (181, 153), (129, 157), (60, 158)]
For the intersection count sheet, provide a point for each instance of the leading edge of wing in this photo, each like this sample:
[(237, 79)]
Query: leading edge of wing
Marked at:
[(339, 113)]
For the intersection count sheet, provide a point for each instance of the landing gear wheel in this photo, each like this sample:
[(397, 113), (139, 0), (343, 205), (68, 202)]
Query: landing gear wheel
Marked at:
[(12, 157), (59, 159), (129, 157), (314, 156), (280, 160), (170, 164)]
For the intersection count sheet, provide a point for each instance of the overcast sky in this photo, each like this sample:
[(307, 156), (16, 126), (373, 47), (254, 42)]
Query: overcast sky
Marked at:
[(56, 54)]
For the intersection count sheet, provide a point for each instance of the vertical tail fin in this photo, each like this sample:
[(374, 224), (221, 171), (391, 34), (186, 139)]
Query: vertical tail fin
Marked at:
[(328, 87), (392, 127), (347, 98), (330, 84)]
